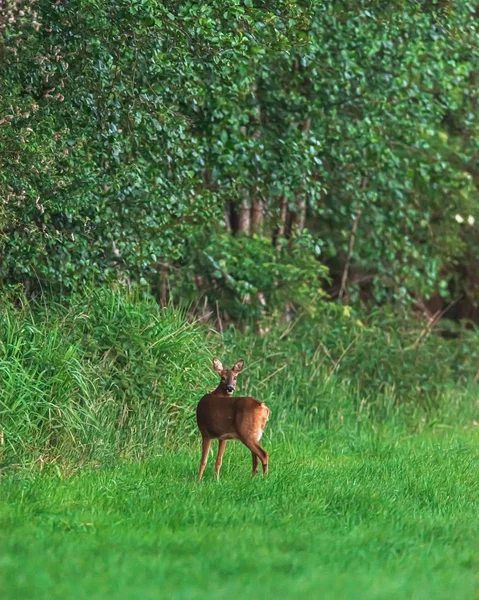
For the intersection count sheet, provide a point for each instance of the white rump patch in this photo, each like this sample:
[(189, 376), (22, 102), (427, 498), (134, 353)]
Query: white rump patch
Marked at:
[(260, 435)]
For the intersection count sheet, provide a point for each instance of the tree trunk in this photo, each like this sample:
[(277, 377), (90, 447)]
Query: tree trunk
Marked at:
[(283, 215), (228, 219), (279, 230), (257, 215), (344, 278), (300, 215), (244, 217), (164, 287)]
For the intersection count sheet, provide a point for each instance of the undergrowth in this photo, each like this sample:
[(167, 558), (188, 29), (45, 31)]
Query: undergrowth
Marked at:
[(109, 373)]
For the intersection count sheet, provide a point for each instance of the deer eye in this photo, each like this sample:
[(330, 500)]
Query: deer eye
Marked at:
[(234, 378)]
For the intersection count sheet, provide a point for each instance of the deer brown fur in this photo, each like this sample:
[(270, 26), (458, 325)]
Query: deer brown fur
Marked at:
[(223, 417)]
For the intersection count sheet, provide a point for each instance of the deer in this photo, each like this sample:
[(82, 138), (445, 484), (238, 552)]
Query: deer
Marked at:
[(221, 416)]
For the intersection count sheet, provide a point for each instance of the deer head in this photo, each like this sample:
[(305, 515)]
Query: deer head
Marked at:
[(228, 376)]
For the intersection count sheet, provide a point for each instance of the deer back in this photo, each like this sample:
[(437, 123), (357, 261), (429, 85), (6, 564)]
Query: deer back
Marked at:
[(226, 417)]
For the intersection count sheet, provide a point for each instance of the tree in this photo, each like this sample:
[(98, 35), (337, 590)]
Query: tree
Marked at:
[(129, 128)]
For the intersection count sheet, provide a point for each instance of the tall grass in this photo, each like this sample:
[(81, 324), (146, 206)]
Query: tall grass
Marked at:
[(109, 372), (337, 369)]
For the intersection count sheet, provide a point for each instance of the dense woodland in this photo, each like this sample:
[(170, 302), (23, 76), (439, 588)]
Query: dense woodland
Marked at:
[(248, 157)]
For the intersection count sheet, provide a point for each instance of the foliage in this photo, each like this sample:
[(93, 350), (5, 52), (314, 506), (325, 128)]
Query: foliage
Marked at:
[(128, 127), (252, 279)]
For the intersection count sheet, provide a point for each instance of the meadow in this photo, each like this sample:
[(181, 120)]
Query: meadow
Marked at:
[(372, 493), (366, 517)]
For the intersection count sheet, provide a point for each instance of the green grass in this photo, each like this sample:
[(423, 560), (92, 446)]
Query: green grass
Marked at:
[(347, 515), (373, 491)]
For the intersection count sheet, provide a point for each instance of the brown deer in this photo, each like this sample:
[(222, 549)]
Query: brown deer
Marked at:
[(222, 417)]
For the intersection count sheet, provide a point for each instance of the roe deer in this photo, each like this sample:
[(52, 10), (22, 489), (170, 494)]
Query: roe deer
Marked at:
[(223, 417)]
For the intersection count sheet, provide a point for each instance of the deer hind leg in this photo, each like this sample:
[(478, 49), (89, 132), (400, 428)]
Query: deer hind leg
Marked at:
[(255, 463), (260, 453), (264, 460), (250, 429), (206, 444), (219, 458)]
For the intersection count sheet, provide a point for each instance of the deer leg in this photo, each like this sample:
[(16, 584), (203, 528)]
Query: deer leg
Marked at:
[(265, 462), (219, 458), (260, 453), (255, 463), (206, 444)]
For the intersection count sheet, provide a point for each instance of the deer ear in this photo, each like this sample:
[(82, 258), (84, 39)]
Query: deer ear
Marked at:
[(217, 365), (238, 366)]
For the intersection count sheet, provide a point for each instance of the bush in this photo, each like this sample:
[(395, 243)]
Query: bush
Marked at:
[(249, 278)]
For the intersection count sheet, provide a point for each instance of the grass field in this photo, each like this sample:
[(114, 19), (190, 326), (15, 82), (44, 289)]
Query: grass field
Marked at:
[(373, 489), (361, 515)]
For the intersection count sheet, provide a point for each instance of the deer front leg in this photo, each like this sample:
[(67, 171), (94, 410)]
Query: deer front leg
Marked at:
[(219, 458), (206, 444)]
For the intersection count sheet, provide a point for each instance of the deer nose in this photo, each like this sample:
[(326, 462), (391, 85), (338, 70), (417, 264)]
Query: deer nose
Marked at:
[(230, 388)]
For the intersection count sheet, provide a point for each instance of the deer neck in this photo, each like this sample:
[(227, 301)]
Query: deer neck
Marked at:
[(219, 391)]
